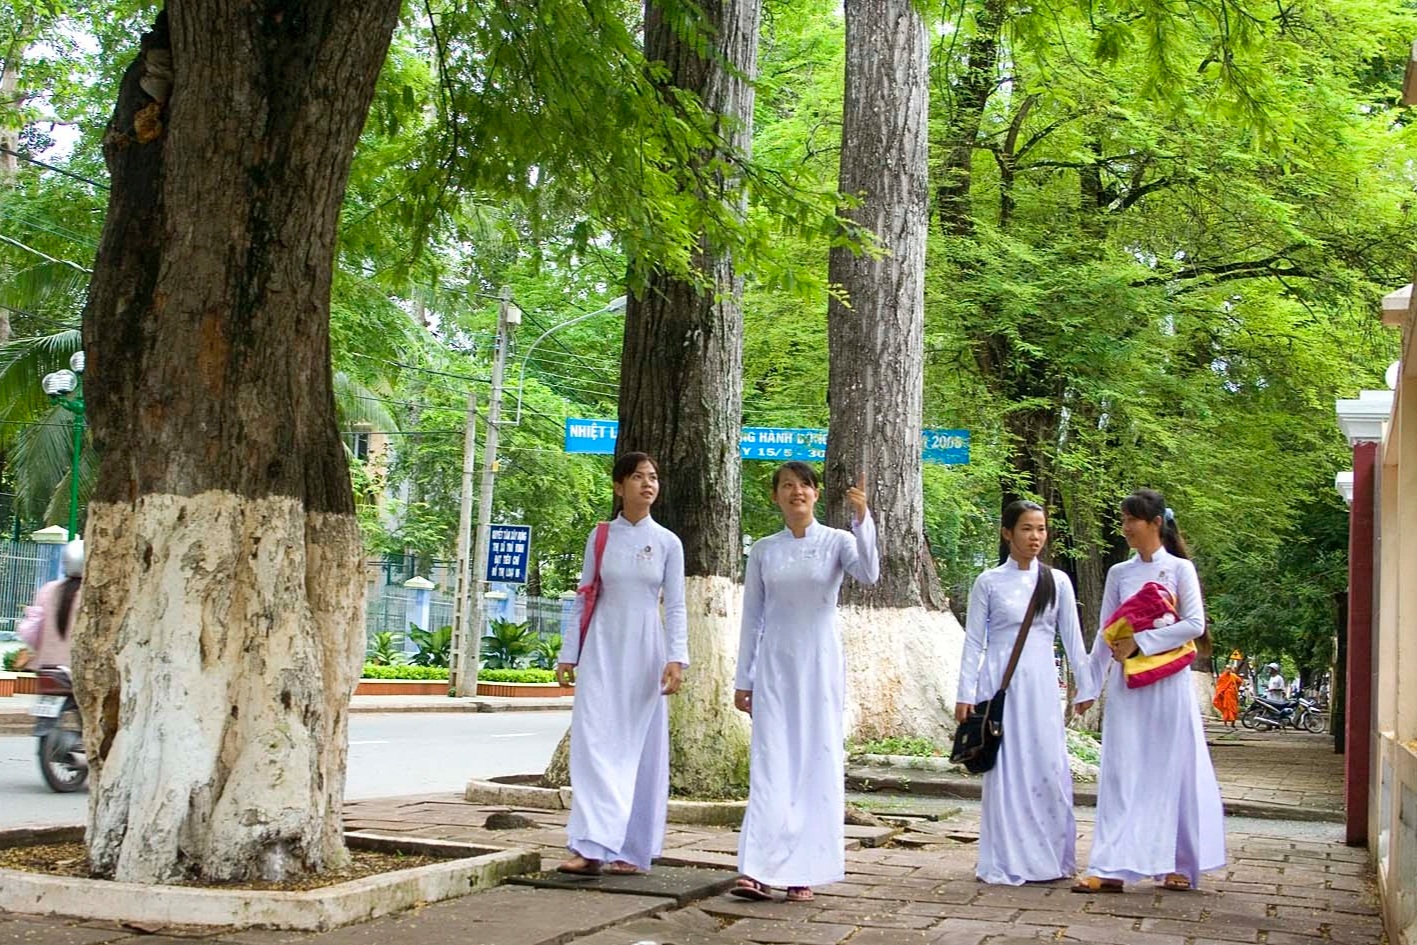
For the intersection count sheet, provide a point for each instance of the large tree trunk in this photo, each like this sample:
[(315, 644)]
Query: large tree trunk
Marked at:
[(222, 627), (681, 393), (876, 340)]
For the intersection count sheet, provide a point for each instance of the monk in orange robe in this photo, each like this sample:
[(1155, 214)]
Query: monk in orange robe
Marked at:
[(1227, 696)]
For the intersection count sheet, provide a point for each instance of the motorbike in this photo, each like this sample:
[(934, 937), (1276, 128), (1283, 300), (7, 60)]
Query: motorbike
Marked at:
[(1267, 714), (60, 731)]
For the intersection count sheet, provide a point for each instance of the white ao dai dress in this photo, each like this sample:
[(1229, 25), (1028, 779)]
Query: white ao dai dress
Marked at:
[(620, 723), (1158, 803), (1027, 832), (790, 656)]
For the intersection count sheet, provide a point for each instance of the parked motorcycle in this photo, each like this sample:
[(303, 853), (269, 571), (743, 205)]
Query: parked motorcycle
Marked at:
[(60, 731), (1266, 714)]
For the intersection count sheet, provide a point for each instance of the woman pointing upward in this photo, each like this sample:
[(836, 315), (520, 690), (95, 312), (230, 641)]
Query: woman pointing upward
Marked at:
[(792, 680)]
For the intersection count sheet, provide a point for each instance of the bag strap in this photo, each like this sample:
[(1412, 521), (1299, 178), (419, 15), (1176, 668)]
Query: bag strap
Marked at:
[(1023, 630), (602, 534)]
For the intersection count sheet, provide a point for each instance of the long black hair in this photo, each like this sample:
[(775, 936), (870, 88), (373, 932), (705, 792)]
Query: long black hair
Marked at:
[(1047, 589), (67, 593), (1149, 504)]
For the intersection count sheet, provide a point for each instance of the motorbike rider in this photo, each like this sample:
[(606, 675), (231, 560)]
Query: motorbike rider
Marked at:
[(1275, 689), (48, 624)]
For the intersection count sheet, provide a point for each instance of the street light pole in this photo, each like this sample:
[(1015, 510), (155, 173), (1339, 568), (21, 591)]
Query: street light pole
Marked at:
[(614, 305), (508, 316), (60, 385)]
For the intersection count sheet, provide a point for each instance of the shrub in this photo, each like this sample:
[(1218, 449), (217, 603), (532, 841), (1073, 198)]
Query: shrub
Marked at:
[(383, 651), (916, 747), (506, 644), (15, 658), (546, 652), (435, 647), (374, 671), (517, 675)]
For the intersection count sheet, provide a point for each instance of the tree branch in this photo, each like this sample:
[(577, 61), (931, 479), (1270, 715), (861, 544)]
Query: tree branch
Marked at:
[(1214, 273)]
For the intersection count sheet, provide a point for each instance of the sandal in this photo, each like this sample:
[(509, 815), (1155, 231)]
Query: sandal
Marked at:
[(580, 866), (621, 868), (749, 888), (799, 894), (1176, 882), (1096, 884)]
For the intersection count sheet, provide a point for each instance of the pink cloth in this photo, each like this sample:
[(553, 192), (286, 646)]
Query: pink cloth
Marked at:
[(52, 648)]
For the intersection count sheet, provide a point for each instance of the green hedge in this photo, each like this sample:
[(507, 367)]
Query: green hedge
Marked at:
[(517, 675), (405, 672), (441, 672)]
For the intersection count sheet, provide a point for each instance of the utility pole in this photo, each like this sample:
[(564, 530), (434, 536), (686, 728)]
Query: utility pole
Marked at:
[(508, 315), (464, 668)]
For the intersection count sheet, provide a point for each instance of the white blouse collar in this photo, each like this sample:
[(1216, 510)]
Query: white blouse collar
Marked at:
[(623, 522)]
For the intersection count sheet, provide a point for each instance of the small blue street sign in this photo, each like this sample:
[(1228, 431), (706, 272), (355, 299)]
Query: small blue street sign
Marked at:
[(508, 551), (945, 447), (591, 436)]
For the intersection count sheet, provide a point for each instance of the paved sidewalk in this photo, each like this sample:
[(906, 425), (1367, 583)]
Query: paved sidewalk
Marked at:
[(910, 882)]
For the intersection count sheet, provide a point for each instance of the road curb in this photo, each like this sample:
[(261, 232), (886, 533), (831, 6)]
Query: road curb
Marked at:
[(452, 706)]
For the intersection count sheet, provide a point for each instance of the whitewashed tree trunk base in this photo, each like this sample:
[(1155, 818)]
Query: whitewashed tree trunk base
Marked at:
[(1204, 685), (708, 738), (902, 672), (220, 642)]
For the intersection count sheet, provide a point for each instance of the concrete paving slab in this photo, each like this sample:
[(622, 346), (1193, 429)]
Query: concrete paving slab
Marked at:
[(680, 883), (773, 932)]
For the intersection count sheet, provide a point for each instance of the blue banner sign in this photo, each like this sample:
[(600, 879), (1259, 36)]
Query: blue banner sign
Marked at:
[(946, 447), (508, 550)]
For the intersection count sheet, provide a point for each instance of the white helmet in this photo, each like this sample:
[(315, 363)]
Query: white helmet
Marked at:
[(1273, 666), (72, 560)]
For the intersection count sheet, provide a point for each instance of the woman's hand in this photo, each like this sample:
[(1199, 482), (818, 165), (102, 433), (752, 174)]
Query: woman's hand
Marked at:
[(743, 700), (1080, 707), (962, 710), (566, 674), (672, 678), (1124, 649), (856, 497)]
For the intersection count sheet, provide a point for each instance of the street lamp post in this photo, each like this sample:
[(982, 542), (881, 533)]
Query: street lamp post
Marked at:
[(66, 388), (615, 305)]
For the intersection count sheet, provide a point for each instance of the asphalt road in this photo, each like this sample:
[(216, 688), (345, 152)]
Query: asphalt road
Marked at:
[(389, 755)]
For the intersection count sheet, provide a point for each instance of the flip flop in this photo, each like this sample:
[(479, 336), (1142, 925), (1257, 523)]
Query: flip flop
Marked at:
[(591, 868), (747, 888), (621, 868), (1096, 884), (1176, 882), (799, 894)]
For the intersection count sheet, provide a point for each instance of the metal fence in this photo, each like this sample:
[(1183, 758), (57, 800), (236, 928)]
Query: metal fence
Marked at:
[(391, 607), (24, 566)]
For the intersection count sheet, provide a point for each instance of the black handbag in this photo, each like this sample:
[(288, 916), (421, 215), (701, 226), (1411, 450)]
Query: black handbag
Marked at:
[(978, 737)]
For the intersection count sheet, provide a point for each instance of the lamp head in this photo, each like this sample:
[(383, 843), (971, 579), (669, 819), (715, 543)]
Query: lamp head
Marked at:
[(76, 362), (60, 383)]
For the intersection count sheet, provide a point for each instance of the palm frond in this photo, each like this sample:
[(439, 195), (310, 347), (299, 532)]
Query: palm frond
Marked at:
[(356, 405), (57, 510), (43, 296), (40, 460)]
